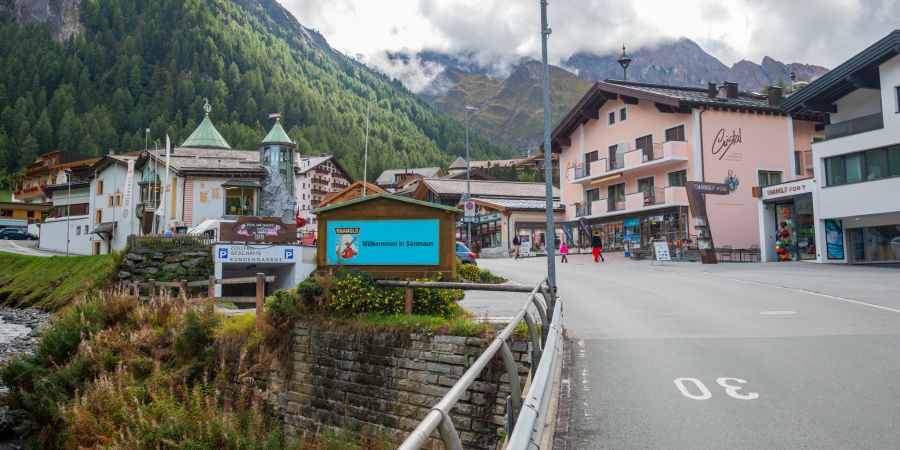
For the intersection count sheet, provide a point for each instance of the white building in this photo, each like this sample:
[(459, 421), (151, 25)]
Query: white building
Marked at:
[(857, 165), (314, 178)]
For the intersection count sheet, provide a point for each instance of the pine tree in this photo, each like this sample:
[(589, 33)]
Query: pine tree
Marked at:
[(43, 133), (28, 151)]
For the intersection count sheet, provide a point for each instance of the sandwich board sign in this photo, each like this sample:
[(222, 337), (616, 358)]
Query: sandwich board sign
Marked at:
[(662, 251)]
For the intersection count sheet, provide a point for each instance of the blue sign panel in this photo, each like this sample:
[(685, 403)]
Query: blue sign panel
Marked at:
[(631, 222), (834, 238), (383, 242)]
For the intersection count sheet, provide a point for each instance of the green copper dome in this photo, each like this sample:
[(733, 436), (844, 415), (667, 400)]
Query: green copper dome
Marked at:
[(278, 136), (206, 136)]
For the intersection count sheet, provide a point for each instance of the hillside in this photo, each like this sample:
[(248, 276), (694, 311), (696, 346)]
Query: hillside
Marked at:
[(510, 110), (90, 76)]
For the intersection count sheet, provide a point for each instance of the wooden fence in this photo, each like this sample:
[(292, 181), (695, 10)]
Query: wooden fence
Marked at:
[(153, 289)]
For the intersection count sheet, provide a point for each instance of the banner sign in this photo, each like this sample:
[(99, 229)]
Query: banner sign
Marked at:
[(631, 223), (126, 201), (585, 227), (258, 229), (256, 254), (567, 229), (383, 242), (834, 238)]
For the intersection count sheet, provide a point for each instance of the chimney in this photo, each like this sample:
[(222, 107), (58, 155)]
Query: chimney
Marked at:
[(712, 90), (775, 96), (731, 90)]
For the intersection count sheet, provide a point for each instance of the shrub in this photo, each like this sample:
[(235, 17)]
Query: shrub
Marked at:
[(310, 290), (487, 277), (355, 292), (470, 272), (436, 302)]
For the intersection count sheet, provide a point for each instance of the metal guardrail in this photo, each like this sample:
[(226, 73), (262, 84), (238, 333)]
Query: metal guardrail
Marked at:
[(523, 413)]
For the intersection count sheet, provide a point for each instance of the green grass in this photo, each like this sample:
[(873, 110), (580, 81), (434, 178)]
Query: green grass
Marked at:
[(51, 282), (5, 196), (463, 325)]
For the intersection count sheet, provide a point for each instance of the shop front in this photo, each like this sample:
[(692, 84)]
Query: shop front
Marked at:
[(787, 222), (636, 230), (487, 231)]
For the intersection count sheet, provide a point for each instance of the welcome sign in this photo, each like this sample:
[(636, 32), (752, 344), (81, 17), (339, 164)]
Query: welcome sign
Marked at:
[(383, 242)]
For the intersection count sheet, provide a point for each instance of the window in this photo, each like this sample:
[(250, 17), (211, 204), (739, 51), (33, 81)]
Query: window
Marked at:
[(854, 168), (98, 216), (118, 199), (110, 201), (675, 133), (99, 187), (834, 171), (612, 117), (678, 178), (241, 201), (893, 157), (875, 164), (623, 114), (591, 195), (768, 178), (897, 97), (645, 144), (146, 190), (77, 231), (616, 197)]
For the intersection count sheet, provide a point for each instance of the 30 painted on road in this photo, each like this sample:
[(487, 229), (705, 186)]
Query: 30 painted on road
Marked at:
[(699, 391)]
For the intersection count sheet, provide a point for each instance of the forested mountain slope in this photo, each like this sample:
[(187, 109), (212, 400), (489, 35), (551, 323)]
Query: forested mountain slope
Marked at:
[(136, 64)]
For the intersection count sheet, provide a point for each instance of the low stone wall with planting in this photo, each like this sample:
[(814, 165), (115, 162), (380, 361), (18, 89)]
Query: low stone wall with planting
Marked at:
[(384, 383), (165, 265)]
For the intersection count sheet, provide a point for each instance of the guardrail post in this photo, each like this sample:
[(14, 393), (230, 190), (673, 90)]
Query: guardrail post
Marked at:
[(515, 386), (211, 288), (152, 284), (449, 436), (182, 291), (260, 295), (408, 304)]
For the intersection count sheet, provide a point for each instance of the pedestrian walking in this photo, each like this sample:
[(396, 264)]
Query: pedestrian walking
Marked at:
[(597, 247), (169, 233), (564, 251), (517, 245)]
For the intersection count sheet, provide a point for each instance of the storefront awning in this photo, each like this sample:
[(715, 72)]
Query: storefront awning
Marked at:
[(241, 183), (105, 227)]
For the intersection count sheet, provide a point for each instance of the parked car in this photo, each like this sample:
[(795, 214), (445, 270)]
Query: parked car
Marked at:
[(12, 234), (309, 238), (464, 254)]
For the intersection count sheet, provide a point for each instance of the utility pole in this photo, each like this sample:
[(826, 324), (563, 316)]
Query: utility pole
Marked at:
[(548, 157), (366, 157), (468, 178)]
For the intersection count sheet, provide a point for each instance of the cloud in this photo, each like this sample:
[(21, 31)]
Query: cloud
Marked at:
[(499, 33)]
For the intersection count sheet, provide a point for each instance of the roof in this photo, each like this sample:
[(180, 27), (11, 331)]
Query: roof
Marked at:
[(48, 191), (387, 177), (109, 160), (337, 195), (667, 99), (211, 160), (278, 136), (859, 71), (484, 188), (387, 196), (460, 163), (304, 164), (516, 204), (206, 136)]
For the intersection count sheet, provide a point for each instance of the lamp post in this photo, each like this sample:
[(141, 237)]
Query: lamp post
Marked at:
[(624, 61), (468, 172), (68, 209), (548, 157), (366, 157)]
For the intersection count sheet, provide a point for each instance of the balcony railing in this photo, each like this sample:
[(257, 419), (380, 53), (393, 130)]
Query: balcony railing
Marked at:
[(617, 162), (615, 204), (654, 196), (582, 209), (854, 126), (316, 190), (653, 153)]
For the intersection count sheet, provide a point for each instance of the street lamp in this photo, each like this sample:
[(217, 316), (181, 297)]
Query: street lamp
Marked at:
[(366, 157), (468, 172), (624, 61)]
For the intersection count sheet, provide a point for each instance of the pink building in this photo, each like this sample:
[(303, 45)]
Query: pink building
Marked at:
[(314, 178), (627, 149)]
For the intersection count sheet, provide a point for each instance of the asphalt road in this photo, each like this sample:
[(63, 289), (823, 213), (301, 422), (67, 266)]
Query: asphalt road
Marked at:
[(24, 248), (756, 356)]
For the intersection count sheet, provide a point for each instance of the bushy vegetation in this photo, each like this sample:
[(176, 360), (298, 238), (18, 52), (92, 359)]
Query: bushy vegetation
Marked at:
[(114, 373), (52, 282), (149, 64), (475, 274)]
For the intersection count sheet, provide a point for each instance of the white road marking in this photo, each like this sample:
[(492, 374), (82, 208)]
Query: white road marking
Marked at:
[(732, 390), (704, 391), (805, 291), (777, 313)]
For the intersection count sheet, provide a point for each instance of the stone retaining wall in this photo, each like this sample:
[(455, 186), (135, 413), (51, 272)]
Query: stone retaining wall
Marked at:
[(165, 265), (384, 383)]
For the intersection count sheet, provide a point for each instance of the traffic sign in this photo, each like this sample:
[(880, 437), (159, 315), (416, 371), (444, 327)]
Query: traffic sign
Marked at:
[(470, 208)]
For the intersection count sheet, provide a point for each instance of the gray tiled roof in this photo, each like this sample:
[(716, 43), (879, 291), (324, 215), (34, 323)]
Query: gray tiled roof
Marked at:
[(387, 177), (517, 204), (699, 95), (185, 159), (307, 163), (501, 189)]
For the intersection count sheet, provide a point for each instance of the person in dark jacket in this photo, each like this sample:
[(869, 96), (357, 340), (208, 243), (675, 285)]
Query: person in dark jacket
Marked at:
[(597, 247), (517, 244)]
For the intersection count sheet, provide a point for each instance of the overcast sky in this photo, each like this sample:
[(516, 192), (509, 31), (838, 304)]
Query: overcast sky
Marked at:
[(822, 32)]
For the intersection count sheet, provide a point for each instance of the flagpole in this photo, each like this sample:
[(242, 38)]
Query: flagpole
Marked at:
[(165, 192)]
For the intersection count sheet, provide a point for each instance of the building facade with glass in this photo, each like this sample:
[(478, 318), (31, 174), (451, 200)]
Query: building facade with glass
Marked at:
[(857, 164)]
